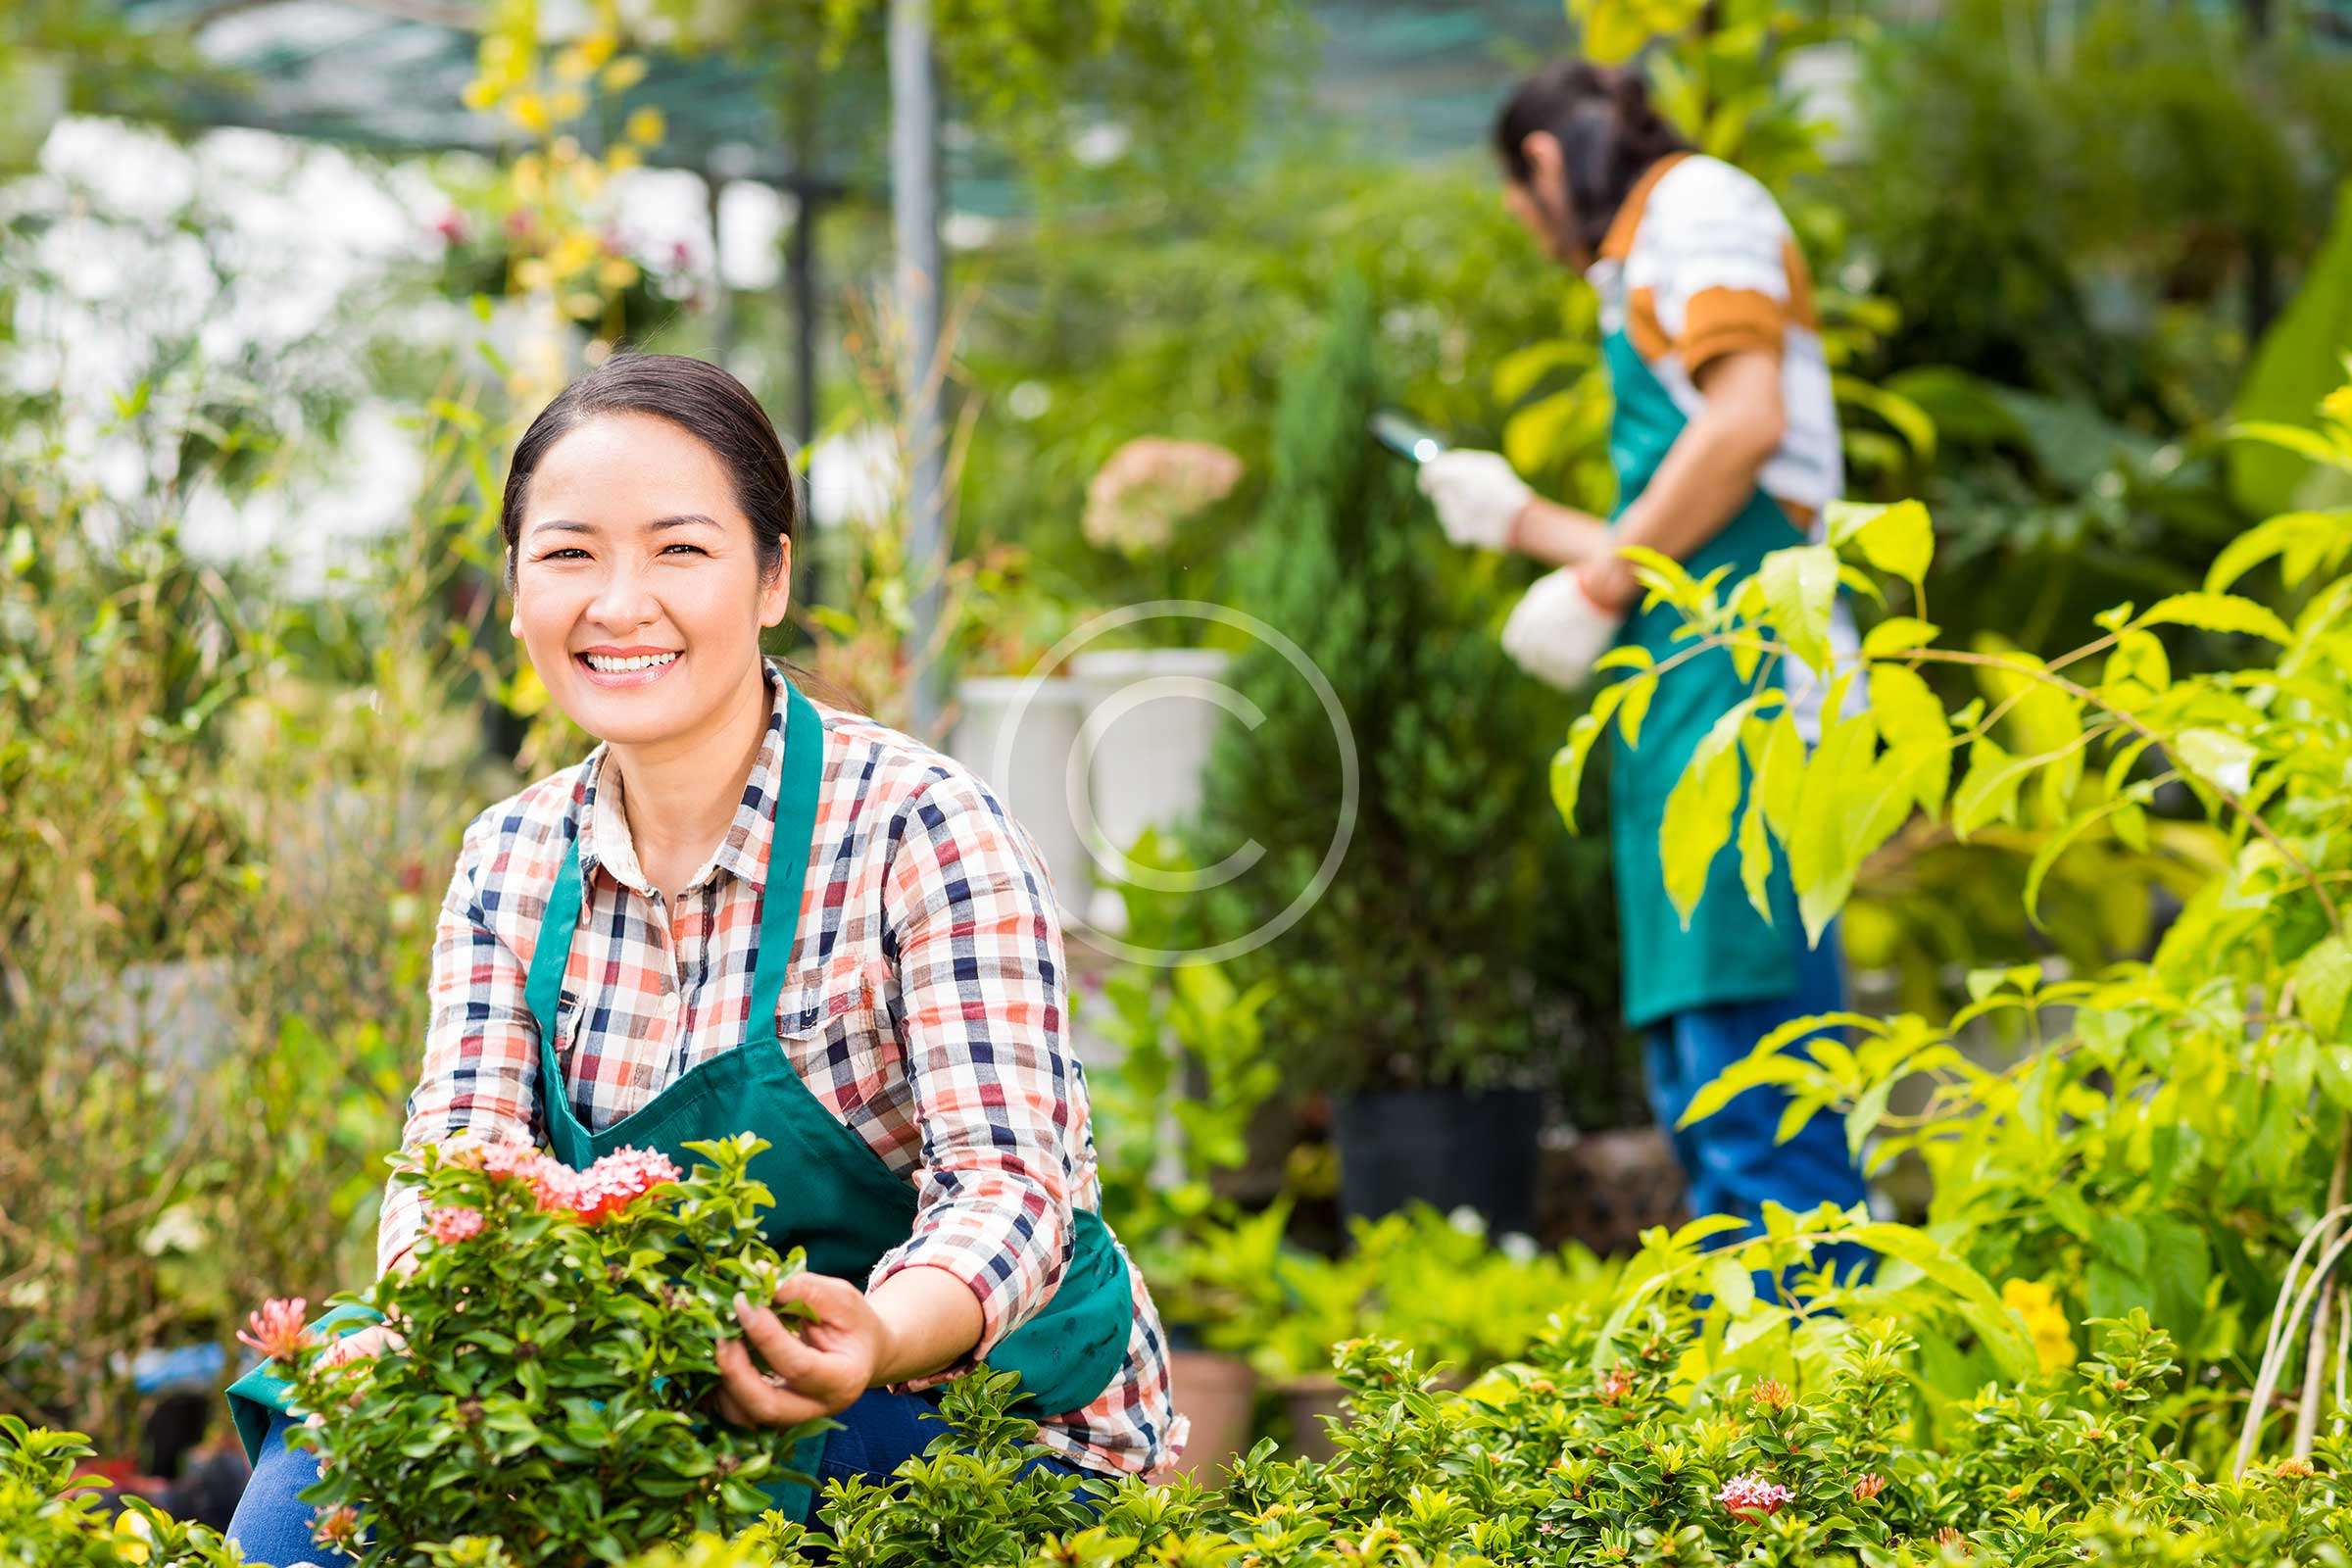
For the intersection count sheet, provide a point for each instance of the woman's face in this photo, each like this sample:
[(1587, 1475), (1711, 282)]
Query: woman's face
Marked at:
[(637, 583), (1542, 204)]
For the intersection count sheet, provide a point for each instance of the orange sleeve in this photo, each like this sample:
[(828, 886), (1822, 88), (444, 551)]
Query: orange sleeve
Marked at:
[(1718, 322)]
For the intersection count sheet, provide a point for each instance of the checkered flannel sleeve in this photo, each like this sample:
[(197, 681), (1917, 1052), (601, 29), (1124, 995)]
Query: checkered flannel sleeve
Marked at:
[(968, 910), (480, 1043)]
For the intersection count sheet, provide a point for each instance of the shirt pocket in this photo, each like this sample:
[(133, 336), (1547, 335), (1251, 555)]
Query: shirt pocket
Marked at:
[(832, 1028)]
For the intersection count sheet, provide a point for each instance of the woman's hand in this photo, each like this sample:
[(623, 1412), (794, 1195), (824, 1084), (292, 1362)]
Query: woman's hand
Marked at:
[(1476, 495), (817, 1371), (375, 1339)]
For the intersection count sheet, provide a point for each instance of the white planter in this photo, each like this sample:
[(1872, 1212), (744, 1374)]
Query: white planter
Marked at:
[(1021, 737), (32, 99), (1151, 715)]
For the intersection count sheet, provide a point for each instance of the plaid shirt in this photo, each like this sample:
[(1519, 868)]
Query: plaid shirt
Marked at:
[(925, 1009)]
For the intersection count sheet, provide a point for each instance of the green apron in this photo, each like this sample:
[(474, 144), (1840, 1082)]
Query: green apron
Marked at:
[(835, 1197), (1728, 954)]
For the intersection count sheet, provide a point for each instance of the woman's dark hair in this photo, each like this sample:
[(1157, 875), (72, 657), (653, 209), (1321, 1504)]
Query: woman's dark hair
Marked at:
[(700, 398), (1608, 134)]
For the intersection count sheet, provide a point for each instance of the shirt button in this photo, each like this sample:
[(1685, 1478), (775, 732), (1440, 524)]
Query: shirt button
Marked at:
[(670, 1004)]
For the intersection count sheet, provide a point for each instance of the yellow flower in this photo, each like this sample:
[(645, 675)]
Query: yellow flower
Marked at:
[(480, 93), (532, 276), (2337, 405), (569, 103), (574, 252), (623, 74), (622, 157), (599, 47), (645, 126), (2036, 1304), (530, 111), (573, 65), (616, 274)]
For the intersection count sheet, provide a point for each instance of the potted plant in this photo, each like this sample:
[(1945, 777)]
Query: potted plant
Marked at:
[(1017, 718), (1152, 683)]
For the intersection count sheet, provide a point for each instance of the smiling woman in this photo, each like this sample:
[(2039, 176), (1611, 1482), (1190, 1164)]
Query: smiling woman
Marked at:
[(745, 911)]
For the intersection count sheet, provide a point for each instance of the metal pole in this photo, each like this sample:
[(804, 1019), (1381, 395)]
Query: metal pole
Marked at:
[(723, 303), (800, 276), (915, 214)]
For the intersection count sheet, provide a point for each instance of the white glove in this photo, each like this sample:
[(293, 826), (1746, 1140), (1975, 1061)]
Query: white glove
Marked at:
[(1476, 494), (1556, 630)]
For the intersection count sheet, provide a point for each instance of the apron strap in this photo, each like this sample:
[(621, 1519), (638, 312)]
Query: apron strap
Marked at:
[(789, 842), (544, 986)]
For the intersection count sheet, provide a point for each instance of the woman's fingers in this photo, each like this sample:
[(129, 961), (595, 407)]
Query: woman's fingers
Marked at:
[(747, 1398), (780, 1348), (370, 1341)]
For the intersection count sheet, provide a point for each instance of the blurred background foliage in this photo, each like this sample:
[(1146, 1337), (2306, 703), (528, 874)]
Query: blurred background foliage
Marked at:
[(2062, 248)]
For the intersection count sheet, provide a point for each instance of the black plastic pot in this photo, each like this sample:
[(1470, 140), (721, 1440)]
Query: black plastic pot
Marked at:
[(1446, 1148)]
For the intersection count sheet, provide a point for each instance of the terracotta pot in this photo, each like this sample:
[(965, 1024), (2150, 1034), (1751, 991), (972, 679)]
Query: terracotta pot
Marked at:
[(1306, 1401), (1216, 1393)]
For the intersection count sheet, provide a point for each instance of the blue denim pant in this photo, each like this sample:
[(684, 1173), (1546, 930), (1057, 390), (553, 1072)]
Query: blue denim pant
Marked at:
[(272, 1525), (1729, 1160)]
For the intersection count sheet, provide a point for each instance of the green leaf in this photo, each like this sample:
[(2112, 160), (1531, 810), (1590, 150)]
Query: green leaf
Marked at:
[(1912, 720), (1734, 1286), (1995, 1327), (1517, 372), (1780, 773), (1909, 419), (1899, 634), (2310, 541), (1755, 855), (1697, 819), (2067, 1206), (1800, 585), (2210, 611), (2298, 362), (1898, 539), (2216, 757), (1568, 765), (1988, 791), (2323, 981)]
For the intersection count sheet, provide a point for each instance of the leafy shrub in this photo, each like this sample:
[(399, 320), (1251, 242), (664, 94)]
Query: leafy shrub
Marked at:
[(1416, 1276), (561, 1333), (1607, 1451), (48, 1519)]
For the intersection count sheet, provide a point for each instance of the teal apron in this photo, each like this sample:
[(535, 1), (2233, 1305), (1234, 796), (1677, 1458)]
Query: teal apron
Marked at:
[(1728, 954), (835, 1197)]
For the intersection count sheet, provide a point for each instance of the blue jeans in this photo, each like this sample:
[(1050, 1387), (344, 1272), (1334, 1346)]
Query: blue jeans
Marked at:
[(1729, 1160), (272, 1524)]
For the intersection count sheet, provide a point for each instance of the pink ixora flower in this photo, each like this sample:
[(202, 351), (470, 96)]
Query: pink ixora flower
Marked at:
[(1752, 1498), (1137, 498), (449, 1226), (616, 1181), (338, 1526), (276, 1329), (504, 1159)]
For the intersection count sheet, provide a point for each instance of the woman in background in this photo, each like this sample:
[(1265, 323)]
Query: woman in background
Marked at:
[(1726, 447)]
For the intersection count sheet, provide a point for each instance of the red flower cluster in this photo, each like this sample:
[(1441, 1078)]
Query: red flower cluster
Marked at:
[(597, 1193), (1752, 1498)]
